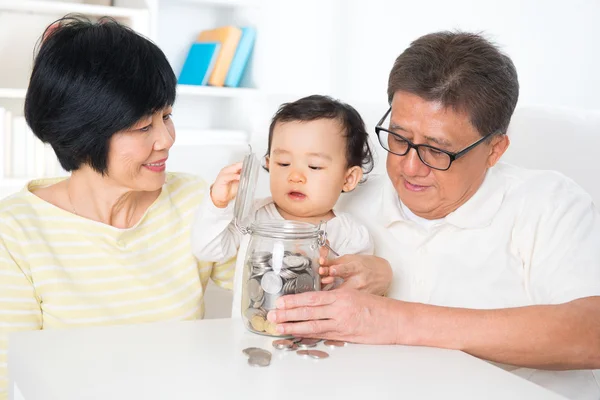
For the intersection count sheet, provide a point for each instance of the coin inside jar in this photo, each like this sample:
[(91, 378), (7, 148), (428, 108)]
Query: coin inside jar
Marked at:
[(254, 290), (258, 323), (304, 283), (271, 283), (293, 261)]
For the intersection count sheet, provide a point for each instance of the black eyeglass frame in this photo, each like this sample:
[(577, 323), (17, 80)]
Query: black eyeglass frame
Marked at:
[(452, 155)]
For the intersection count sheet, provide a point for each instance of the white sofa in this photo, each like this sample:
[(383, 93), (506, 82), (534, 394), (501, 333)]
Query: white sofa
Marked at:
[(541, 138), (561, 139)]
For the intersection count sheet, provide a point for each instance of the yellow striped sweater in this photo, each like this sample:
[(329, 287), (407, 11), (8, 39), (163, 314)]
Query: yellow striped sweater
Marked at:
[(60, 270)]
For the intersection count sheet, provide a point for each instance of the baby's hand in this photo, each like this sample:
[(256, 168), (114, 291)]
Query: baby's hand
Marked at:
[(225, 187)]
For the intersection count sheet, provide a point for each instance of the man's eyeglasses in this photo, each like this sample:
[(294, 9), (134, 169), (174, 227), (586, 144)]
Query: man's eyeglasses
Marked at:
[(431, 156)]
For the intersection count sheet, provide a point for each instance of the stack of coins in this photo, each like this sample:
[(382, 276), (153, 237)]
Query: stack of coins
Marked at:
[(304, 347), (258, 357), (266, 284)]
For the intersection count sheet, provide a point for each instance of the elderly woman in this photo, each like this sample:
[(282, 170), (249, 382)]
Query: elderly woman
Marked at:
[(111, 243), (488, 258)]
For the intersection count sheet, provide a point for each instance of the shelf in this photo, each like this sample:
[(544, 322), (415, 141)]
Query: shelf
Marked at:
[(221, 3), (182, 90), (12, 93), (211, 91), (61, 8)]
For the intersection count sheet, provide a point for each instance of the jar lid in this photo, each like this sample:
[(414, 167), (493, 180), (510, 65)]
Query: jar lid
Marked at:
[(245, 195)]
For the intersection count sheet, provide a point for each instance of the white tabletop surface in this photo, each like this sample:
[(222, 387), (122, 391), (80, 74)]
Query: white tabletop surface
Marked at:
[(204, 359)]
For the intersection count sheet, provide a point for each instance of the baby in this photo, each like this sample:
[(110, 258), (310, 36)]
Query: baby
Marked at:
[(318, 148)]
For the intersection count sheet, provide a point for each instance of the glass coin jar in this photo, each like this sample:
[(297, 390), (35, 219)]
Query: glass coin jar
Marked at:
[(282, 256)]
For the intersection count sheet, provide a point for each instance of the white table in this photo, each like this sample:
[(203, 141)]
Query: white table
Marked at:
[(204, 360)]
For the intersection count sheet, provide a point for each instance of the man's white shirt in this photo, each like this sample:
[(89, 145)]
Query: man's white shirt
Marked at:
[(526, 237)]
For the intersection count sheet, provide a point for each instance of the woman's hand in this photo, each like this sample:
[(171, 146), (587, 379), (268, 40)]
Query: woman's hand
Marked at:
[(369, 274), (225, 187), (340, 314)]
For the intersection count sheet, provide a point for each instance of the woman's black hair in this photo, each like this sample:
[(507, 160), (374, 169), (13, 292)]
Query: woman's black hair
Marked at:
[(91, 80)]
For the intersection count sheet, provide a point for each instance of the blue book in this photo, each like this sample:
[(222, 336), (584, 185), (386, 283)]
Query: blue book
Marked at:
[(199, 63), (240, 59)]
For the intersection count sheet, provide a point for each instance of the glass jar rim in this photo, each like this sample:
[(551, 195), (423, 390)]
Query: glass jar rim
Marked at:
[(285, 229)]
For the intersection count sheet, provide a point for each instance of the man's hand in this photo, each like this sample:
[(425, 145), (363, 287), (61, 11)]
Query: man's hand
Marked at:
[(369, 274), (340, 314)]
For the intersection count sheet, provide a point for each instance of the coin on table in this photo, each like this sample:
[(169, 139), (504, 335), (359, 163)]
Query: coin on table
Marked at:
[(257, 351), (271, 283), (259, 361), (281, 344), (306, 342), (258, 323), (285, 344), (302, 352), (317, 354), (249, 350), (334, 343), (259, 358)]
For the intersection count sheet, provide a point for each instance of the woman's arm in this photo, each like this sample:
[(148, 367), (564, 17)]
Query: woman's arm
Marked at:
[(19, 307)]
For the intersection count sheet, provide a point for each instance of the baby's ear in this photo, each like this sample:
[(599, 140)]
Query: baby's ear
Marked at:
[(266, 166), (353, 177)]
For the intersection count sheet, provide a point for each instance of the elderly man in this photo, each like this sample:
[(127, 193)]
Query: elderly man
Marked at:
[(488, 258)]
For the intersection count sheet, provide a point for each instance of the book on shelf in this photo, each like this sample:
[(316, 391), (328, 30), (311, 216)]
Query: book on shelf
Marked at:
[(228, 37), (219, 57), (241, 57), (199, 63)]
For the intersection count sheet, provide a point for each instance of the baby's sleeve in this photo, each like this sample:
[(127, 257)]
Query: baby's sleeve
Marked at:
[(348, 236), (214, 235)]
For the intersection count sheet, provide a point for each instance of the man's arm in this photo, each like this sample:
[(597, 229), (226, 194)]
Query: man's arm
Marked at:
[(563, 336)]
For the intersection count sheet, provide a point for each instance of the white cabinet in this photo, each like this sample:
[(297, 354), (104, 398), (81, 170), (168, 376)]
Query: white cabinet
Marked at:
[(295, 45), (21, 26)]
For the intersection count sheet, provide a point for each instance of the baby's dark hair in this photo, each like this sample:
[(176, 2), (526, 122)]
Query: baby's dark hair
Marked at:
[(311, 108)]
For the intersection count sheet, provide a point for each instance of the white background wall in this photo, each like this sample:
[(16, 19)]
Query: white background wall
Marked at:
[(346, 48), (555, 44)]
